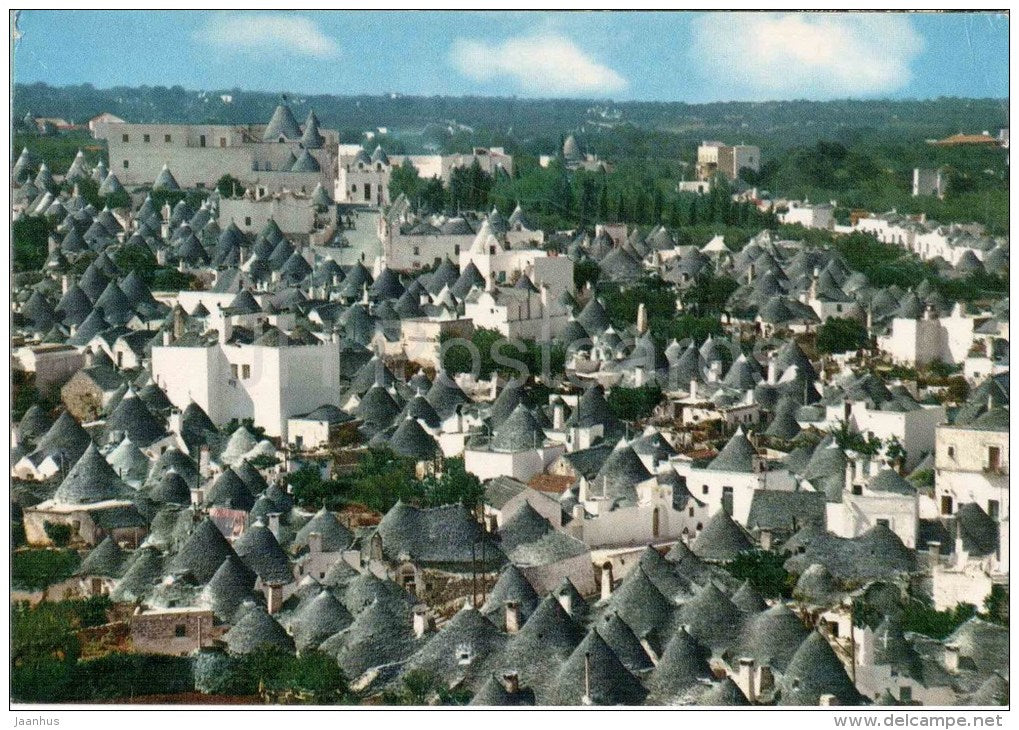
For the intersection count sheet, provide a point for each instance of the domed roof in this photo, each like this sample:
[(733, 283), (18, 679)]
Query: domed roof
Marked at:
[(593, 668), (203, 552), (261, 552), (813, 671), (282, 124), (256, 628), (721, 539), (91, 480)]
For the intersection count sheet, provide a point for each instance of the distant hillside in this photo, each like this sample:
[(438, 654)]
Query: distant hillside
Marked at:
[(534, 125)]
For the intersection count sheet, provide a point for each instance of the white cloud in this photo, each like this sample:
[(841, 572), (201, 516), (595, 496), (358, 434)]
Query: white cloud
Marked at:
[(542, 62), (804, 55), (268, 33)]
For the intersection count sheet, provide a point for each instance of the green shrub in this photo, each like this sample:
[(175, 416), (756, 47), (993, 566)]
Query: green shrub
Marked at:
[(764, 569), (59, 533), (34, 569)]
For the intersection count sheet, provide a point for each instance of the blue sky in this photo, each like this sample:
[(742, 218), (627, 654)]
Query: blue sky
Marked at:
[(693, 57)]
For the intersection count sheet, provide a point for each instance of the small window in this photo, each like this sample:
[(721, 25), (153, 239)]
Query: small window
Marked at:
[(951, 452), (883, 522), (367, 191), (417, 250), (233, 371), (704, 489), (245, 371), (993, 458), (180, 630), (905, 694), (857, 489), (125, 138), (167, 138), (201, 140), (456, 249), (946, 505), (353, 188), (125, 164), (247, 220), (222, 141), (993, 508), (691, 511), (145, 138)]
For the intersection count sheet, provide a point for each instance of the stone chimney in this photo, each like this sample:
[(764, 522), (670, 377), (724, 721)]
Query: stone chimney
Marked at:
[(641, 318), (765, 538), (566, 601), (174, 421), (606, 581), (512, 617), (422, 621), (203, 462), (952, 658), (828, 701), (772, 369), (715, 371), (511, 682), (693, 388), (745, 678), (274, 524), (558, 415), (315, 542), (178, 321), (586, 699), (65, 283), (274, 598), (225, 330), (645, 641), (934, 548)]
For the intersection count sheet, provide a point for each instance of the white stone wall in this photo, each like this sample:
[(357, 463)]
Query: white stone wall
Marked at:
[(294, 215), (961, 461)]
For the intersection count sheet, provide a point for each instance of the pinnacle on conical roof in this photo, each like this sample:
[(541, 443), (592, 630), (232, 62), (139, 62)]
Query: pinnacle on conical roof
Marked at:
[(165, 180), (282, 125), (310, 138), (91, 480)]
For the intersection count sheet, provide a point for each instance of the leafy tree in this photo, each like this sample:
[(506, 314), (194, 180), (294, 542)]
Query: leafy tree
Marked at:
[(30, 239), (850, 439), (921, 617), (404, 180), (37, 569), (45, 649), (167, 279), (764, 569), (896, 453), (634, 404), (958, 389), (119, 199), (841, 335), (229, 187), (996, 605), (59, 533), (455, 484), (167, 197), (585, 272)]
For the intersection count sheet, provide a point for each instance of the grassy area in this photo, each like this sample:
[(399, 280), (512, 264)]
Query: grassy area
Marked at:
[(33, 570), (58, 151)]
